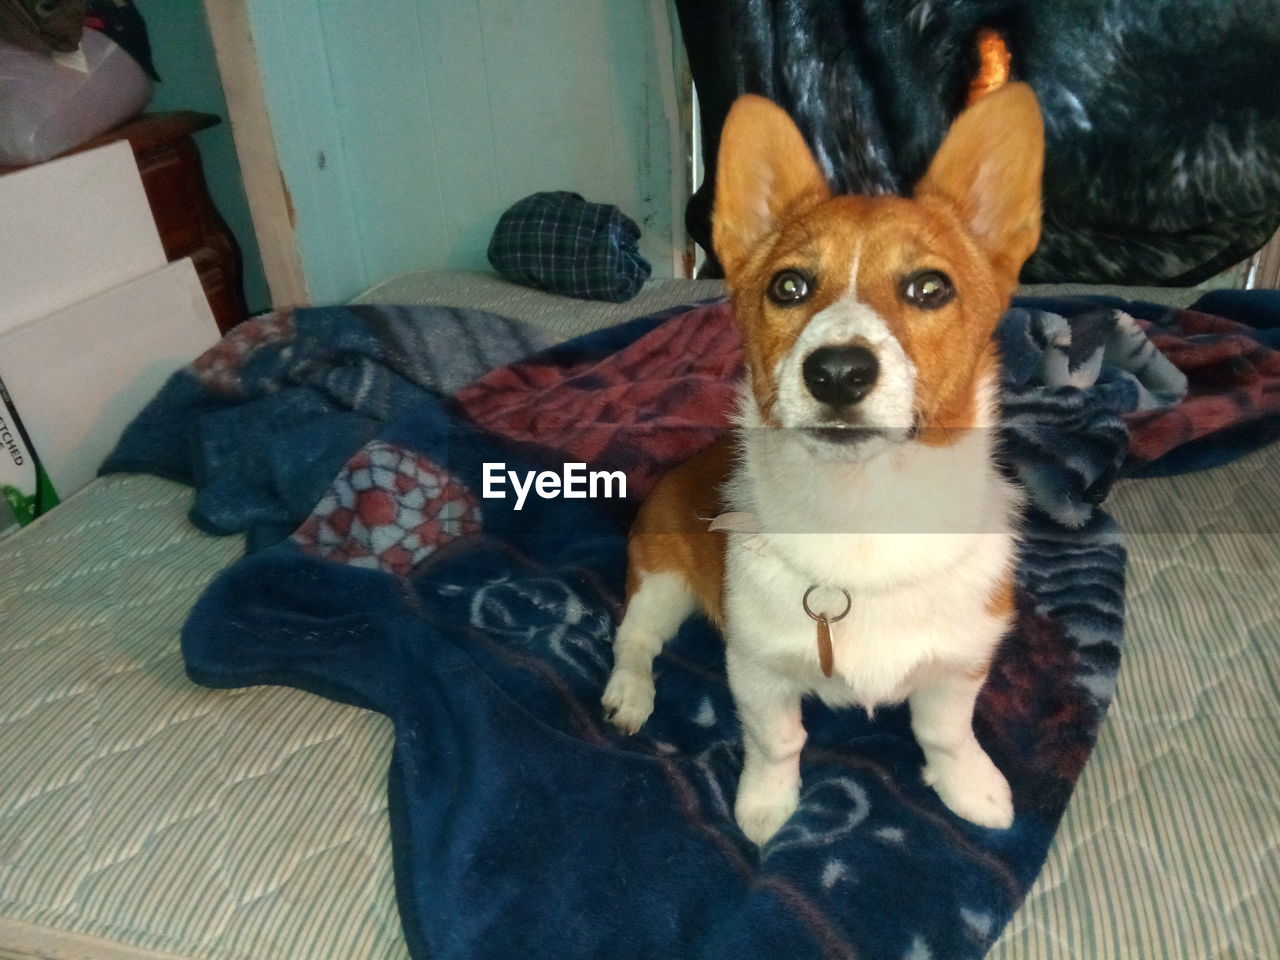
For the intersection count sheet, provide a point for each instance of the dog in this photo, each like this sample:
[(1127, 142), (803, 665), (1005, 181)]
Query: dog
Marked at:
[(863, 540)]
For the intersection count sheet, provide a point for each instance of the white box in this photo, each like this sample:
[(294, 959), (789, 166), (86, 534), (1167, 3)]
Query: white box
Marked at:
[(71, 228), (78, 376)]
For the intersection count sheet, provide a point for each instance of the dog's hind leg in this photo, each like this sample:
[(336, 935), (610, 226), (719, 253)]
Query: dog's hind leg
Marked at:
[(660, 603)]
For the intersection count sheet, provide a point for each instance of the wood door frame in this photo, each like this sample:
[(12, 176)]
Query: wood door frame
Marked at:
[(677, 89), (1264, 271), (264, 185)]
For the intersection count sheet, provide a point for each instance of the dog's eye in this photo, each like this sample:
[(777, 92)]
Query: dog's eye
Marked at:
[(927, 289), (789, 287)]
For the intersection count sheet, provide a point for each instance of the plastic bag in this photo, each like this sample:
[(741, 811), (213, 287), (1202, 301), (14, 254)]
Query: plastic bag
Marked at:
[(49, 104)]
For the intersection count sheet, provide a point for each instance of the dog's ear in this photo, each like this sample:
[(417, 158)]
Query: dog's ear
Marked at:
[(764, 174), (989, 168)]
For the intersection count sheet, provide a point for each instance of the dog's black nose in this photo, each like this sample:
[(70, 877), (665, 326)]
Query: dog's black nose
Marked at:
[(842, 375)]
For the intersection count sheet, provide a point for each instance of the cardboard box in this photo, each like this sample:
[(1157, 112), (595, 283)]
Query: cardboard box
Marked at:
[(70, 229), (78, 376), (92, 322)]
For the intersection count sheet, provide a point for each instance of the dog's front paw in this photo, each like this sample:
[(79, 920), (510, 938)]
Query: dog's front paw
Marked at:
[(761, 814), (973, 788), (628, 699)]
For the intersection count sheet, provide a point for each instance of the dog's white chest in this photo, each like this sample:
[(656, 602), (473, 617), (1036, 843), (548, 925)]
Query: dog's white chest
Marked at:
[(889, 633)]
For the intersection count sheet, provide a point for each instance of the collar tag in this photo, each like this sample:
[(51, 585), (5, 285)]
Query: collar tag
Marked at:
[(826, 652)]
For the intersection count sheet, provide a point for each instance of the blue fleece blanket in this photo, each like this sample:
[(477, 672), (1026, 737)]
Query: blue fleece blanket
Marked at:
[(522, 824)]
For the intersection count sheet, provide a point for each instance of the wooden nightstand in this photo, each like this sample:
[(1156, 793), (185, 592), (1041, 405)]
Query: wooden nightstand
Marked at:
[(188, 222)]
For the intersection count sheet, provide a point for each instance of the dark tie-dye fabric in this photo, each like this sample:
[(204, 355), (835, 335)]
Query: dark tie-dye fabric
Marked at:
[(1162, 117)]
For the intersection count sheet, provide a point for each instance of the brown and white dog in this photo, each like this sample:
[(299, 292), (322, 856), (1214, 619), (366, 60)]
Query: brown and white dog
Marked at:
[(861, 471)]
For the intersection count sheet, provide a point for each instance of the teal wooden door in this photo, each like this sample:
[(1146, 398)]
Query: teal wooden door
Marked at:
[(405, 127)]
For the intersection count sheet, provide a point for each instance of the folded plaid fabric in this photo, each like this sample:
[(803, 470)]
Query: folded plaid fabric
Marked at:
[(560, 242)]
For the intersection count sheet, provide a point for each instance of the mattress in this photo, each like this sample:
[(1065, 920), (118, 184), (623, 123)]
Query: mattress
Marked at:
[(143, 816)]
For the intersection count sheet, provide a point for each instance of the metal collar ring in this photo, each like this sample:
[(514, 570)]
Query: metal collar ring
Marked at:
[(848, 603)]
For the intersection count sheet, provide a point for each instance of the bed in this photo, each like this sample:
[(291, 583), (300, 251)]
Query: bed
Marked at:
[(144, 816)]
